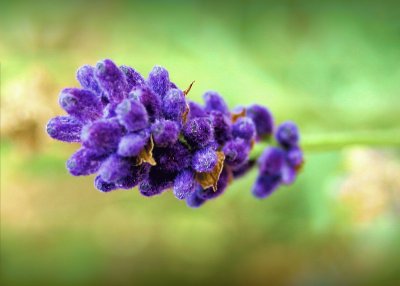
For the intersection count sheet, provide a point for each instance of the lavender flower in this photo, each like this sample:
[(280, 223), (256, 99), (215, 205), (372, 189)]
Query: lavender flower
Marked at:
[(165, 132), (185, 184), (204, 160), (144, 132), (244, 128), (279, 165), (287, 134), (132, 115), (198, 131), (65, 128), (262, 119)]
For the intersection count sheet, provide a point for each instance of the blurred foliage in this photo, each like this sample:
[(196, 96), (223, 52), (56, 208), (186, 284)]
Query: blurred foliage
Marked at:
[(328, 66)]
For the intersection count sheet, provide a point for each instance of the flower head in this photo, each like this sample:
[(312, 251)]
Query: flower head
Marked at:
[(144, 132)]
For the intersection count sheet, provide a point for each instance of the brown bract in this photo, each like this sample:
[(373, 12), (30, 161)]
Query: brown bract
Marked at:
[(146, 155), (210, 179), (186, 113), (237, 115)]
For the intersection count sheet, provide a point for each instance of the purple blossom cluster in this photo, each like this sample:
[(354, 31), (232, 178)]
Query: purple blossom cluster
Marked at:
[(279, 165), (145, 132)]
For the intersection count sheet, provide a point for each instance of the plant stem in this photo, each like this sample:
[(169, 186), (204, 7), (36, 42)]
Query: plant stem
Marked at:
[(337, 141)]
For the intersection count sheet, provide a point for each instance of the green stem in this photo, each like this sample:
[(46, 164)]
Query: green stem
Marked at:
[(337, 141)]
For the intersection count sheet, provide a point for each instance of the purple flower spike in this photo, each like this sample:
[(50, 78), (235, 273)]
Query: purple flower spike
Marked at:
[(265, 185), (64, 128), (271, 160), (115, 168), (198, 131), (158, 80), (174, 105), (81, 103), (165, 132), (131, 145), (133, 78), (236, 152), (103, 186), (112, 80), (287, 134), (132, 115), (204, 160), (185, 184), (144, 132), (215, 102), (149, 99), (244, 128), (103, 136), (262, 119), (84, 162)]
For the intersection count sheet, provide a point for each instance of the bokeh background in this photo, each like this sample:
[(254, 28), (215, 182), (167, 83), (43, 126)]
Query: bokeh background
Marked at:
[(331, 67)]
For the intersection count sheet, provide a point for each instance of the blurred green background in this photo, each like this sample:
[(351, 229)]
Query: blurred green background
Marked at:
[(331, 67)]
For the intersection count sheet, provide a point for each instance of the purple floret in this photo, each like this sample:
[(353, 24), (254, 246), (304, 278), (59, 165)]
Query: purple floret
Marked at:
[(262, 119), (85, 76), (236, 152), (265, 185), (103, 186), (222, 127), (115, 168), (198, 131), (131, 144), (136, 175), (165, 132), (103, 136), (132, 115), (271, 160), (294, 156), (81, 103), (204, 160), (133, 78), (194, 201), (84, 162), (288, 174), (244, 128), (287, 134), (172, 158), (64, 128), (184, 184), (158, 80), (112, 80), (149, 99), (148, 190), (174, 105), (243, 169), (196, 110), (213, 101), (157, 181)]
